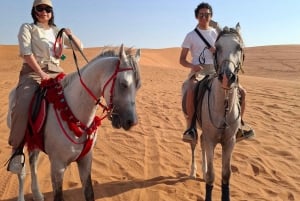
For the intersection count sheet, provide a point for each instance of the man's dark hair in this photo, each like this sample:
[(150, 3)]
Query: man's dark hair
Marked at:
[(203, 5), (35, 20)]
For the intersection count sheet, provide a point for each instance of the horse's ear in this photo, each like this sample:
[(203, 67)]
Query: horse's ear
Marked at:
[(122, 52), (238, 27), (138, 55)]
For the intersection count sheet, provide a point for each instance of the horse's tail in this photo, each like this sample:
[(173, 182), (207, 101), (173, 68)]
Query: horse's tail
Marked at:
[(11, 104)]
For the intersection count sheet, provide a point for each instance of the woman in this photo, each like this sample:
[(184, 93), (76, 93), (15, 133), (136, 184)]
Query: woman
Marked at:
[(40, 62)]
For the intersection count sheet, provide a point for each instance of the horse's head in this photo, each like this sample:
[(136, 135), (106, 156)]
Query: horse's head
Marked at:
[(229, 56), (127, 83)]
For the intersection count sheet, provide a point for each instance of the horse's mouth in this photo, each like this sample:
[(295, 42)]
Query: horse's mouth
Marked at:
[(126, 124), (116, 122), (227, 81)]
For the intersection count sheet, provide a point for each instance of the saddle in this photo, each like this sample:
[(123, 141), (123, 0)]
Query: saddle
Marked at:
[(50, 91), (200, 89)]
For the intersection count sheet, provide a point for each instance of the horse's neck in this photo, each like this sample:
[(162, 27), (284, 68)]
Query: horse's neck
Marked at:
[(217, 94), (82, 104)]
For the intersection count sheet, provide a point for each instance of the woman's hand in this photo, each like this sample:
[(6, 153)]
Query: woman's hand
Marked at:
[(76, 40), (68, 31), (44, 76), (196, 68)]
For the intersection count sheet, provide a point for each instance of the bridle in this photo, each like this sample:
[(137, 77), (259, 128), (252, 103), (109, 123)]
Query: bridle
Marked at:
[(74, 124), (112, 79), (232, 75), (238, 65), (106, 108)]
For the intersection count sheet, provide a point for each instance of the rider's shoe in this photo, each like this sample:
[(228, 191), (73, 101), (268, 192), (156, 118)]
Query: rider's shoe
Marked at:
[(190, 135), (16, 162), (243, 134)]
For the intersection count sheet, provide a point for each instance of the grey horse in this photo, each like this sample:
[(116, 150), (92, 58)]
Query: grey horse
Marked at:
[(218, 113), (112, 75)]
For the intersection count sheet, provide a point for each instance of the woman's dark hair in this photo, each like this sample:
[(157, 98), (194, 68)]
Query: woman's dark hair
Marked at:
[(203, 5), (35, 20)]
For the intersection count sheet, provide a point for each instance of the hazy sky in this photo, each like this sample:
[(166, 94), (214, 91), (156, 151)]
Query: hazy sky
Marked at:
[(158, 23)]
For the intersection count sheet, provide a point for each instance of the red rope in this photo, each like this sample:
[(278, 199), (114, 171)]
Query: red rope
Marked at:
[(87, 143), (55, 96), (58, 53), (63, 129)]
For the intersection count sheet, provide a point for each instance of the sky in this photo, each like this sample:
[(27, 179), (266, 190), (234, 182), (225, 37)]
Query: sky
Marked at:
[(157, 24)]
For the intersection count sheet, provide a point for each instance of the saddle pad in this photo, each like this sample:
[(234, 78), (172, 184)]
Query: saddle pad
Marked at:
[(38, 111)]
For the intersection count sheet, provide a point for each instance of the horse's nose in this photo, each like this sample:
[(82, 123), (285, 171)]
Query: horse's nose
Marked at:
[(225, 81), (129, 123)]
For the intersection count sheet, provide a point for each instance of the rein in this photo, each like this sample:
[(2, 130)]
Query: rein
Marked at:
[(58, 53), (113, 77), (237, 67), (226, 108), (59, 42), (55, 95)]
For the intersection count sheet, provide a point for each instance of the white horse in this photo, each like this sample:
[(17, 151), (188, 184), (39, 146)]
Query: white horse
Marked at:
[(113, 76), (219, 115)]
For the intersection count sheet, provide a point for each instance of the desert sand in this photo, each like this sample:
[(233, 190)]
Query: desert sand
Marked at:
[(151, 163)]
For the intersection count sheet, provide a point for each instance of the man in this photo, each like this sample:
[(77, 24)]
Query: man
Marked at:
[(202, 64)]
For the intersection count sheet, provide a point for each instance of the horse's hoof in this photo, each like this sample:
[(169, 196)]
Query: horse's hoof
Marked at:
[(38, 197), (193, 176)]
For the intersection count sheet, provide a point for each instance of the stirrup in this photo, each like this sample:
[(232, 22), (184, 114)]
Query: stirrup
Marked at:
[(190, 135), (16, 162)]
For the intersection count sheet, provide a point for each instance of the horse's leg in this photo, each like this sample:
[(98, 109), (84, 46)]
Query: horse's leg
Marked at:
[(210, 174), (57, 174), (204, 159), (21, 178), (193, 165), (226, 169), (84, 167), (33, 157)]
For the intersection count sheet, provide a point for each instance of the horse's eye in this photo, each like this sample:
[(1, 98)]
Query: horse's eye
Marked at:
[(238, 48)]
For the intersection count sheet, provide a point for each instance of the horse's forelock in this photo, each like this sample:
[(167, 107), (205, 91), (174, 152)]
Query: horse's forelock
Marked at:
[(129, 52), (227, 31), (114, 52)]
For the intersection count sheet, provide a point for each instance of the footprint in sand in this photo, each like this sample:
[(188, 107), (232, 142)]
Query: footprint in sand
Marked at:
[(234, 169), (291, 197), (255, 169)]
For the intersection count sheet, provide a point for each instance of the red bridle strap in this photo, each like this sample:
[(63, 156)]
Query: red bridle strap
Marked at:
[(113, 79)]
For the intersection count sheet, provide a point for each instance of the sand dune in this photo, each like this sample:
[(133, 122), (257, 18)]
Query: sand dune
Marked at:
[(150, 162)]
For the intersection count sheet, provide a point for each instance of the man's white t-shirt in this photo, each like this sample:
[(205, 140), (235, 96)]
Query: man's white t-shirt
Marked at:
[(196, 45)]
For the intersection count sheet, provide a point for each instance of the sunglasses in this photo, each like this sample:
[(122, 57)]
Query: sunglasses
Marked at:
[(48, 9), (206, 15)]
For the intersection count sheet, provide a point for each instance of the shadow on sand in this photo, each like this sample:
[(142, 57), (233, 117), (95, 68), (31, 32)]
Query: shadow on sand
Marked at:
[(110, 189)]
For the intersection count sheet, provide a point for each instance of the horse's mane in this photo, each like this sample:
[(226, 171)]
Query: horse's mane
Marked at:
[(110, 52)]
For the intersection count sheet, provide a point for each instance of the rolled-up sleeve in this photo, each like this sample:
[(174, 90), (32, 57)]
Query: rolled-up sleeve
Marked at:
[(24, 38), (186, 42)]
